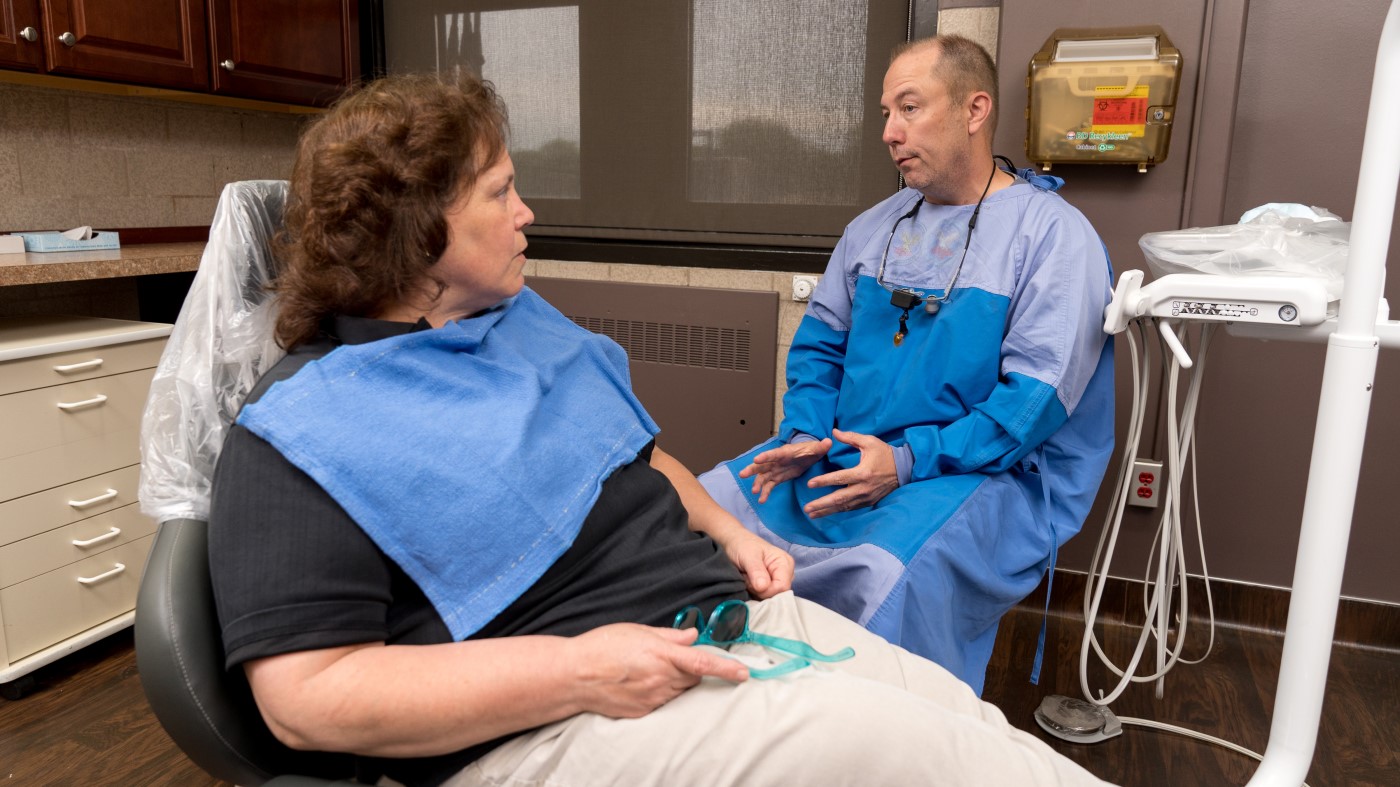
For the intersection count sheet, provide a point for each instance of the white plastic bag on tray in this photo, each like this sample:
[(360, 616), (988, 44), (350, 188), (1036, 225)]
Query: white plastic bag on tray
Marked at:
[(1274, 239)]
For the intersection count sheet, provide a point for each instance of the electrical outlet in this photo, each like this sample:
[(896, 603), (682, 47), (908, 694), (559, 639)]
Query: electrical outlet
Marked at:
[(802, 287), (1146, 484)]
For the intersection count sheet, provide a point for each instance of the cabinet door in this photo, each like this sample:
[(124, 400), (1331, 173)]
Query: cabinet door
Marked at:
[(19, 22), (149, 42), (295, 51)]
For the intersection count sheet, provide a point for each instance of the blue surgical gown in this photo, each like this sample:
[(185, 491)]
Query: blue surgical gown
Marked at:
[(1004, 397)]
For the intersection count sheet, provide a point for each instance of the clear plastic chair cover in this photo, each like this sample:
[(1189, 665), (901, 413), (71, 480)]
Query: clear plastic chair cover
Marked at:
[(221, 344)]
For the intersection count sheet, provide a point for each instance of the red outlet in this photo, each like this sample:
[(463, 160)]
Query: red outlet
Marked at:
[(1148, 473)]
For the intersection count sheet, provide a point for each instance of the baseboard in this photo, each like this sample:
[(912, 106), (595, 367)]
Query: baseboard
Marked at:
[(1360, 623)]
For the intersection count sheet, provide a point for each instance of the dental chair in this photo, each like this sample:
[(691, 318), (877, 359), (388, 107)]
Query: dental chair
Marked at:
[(221, 343)]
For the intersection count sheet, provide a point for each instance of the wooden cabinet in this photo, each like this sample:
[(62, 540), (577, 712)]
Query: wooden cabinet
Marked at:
[(296, 51), (150, 42), (21, 46), (287, 51), (73, 541)]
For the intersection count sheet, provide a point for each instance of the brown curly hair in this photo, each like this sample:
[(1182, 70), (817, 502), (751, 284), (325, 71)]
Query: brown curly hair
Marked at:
[(373, 178)]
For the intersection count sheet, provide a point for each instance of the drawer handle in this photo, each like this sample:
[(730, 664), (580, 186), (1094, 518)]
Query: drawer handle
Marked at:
[(108, 536), (78, 367), (68, 406), (115, 571), (92, 501)]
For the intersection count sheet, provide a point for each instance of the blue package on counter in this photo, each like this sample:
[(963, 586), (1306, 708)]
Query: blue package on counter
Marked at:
[(56, 241)]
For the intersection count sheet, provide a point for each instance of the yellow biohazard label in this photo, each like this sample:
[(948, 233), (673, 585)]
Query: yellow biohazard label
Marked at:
[(1118, 115)]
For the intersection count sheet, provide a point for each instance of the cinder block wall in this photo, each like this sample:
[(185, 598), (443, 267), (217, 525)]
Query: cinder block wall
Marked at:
[(71, 158)]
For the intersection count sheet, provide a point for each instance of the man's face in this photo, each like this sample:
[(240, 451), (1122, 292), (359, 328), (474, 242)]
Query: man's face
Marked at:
[(927, 135)]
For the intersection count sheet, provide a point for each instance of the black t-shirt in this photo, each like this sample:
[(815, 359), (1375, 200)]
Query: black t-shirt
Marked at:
[(292, 571)]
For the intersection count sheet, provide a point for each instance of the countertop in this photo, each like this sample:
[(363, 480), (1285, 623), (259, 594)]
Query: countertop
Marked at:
[(137, 260)]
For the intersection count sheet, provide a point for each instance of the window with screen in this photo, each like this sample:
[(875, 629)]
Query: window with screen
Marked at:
[(707, 121)]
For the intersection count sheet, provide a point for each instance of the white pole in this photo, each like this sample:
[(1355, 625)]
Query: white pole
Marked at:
[(1341, 430)]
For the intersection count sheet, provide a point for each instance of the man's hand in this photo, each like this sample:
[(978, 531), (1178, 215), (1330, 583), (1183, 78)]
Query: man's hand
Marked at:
[(627, 671), (767, 570), (865, 484), (786, 462)]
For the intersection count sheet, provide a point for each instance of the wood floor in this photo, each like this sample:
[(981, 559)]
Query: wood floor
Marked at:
[(1229, 695), (87, 724)]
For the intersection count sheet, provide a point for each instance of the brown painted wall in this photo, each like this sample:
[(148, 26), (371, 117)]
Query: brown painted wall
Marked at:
[(1304, 89), (1280, 118)]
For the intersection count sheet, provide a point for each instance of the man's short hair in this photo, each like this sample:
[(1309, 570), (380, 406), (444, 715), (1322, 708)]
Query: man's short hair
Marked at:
[(963, 66)]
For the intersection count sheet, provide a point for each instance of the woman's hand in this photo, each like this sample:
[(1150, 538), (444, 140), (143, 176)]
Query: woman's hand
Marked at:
[(627, 670), (784, 463), (767, 569), (425, 700)]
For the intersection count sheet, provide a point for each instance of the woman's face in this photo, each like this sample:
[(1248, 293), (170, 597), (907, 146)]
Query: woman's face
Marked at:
[(485, 256)]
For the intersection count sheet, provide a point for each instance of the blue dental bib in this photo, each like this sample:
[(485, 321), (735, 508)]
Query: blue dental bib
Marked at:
[(471, 453)]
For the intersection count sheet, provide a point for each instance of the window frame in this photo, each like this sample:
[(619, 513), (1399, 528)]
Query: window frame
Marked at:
[(608, 128)]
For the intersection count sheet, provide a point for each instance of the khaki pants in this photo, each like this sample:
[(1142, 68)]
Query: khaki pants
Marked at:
[(885, 717)]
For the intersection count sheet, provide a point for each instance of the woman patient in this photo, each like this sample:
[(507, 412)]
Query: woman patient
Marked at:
[(442, 537)]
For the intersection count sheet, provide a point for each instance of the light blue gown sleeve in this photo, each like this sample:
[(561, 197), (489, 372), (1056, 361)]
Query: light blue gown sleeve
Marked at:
[(816, 360), (1052, 345)]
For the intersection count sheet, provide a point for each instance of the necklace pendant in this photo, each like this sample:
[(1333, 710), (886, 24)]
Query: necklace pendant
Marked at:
[(899, 338)]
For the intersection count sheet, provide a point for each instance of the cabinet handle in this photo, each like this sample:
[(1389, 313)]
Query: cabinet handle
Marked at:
[(108, 536), (89, 580), (78, 367), (227, 65), (92, 501), (29, 34), (98, 399), (68, 39)]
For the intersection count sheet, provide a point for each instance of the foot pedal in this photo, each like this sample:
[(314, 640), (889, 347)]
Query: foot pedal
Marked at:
[(1077, 721)]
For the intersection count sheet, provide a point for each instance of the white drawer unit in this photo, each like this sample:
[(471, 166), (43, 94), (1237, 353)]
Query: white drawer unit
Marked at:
[(56, 548), (67, 601), (73, 542)]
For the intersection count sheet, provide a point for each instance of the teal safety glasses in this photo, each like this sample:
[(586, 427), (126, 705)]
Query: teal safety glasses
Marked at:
[(729, 625)]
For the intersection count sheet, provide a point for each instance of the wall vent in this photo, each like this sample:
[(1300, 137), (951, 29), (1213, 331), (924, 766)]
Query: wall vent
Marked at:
[(701, 346), (703, 361)]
